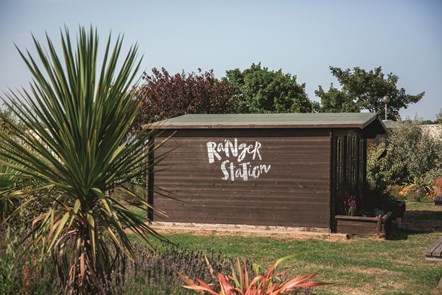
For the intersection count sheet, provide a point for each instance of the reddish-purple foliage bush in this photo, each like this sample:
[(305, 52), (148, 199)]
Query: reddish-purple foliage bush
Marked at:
[(166, 96), (438, 187)]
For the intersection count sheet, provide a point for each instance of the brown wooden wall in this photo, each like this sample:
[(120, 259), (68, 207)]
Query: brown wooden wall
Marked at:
[(294, 192), (350, 165)]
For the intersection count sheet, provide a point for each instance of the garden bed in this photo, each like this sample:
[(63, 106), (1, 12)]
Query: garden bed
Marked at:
[(363, 225)]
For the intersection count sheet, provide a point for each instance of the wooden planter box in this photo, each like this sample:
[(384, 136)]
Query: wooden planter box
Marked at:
[(361, 225)]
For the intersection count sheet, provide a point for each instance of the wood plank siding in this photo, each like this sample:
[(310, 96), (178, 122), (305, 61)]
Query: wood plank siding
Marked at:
[(260, 169), (287, 182), (349, 168)]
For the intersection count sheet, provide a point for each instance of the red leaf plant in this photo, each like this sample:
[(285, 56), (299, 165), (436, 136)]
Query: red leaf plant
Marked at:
[(239, 282)]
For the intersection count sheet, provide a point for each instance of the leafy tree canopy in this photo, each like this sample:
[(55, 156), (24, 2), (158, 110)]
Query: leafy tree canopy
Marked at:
[(361, 89), (336, 101), (165, 96), (259, 90)]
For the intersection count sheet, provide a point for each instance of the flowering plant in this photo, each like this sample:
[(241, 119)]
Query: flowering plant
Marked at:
[(350, 205)]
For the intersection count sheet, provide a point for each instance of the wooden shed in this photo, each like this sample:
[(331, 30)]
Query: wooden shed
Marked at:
[(261, 169)]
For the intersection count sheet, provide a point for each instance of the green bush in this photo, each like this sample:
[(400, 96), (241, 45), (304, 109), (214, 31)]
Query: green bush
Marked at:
[(26, 275), (408, 156)]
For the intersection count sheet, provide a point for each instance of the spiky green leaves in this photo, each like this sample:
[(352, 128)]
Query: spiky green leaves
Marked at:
[(76, 144)]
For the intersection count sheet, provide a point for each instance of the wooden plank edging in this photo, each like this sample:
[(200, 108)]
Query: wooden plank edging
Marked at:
[(435, 250), (246, 230)]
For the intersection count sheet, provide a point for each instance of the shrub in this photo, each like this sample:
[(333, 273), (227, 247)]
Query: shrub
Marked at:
[(165, 96), (78, 113), (409, 156), (154, 271), (24, 276), (239, 281), (437, 187)]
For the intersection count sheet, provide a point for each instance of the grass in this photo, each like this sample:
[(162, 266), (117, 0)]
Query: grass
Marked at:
[(360, 265), (356, 266)]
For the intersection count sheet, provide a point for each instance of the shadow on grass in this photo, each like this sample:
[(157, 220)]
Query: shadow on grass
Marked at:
[(418, 222), (403, 234)]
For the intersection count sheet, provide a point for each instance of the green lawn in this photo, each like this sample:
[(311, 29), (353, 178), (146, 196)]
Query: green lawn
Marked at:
[(355, 266)]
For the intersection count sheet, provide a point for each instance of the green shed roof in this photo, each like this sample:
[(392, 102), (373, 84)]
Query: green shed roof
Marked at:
[(286, 120), (389, 124)]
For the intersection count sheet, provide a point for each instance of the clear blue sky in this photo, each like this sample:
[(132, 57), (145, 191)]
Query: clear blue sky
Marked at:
[(302, 38)]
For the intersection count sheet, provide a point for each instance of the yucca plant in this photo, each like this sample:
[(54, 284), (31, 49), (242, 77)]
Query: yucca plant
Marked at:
[(8, 177), (241, 282), (75, 144)]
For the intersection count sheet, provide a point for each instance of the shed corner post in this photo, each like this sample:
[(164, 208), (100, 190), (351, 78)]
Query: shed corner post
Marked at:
[(332, 179), (150, 176)]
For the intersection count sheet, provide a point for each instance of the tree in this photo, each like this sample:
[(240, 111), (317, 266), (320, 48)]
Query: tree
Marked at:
[(439, 117), (165, 96), (259, 90), (336, 101), (77, 114), (361, 89)]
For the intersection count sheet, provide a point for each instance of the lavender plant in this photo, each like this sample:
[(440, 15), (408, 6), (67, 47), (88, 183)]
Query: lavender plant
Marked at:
[(154, 272)]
